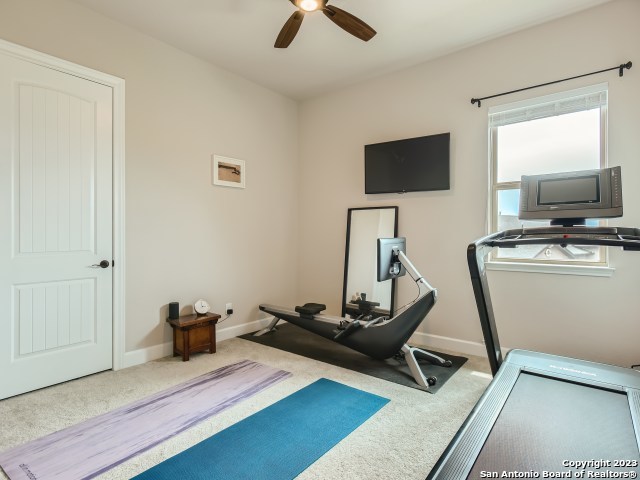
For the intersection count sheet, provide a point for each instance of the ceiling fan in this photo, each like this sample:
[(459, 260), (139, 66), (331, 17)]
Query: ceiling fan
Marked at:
[(344, 20)]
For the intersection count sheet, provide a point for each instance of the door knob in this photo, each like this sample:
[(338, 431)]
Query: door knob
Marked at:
[(102, 264)]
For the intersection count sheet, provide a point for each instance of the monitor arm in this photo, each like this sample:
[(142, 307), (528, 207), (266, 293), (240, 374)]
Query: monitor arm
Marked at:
[(400, 258)]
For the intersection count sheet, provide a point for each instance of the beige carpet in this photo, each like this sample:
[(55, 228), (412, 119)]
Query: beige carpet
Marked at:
[(402, 441)]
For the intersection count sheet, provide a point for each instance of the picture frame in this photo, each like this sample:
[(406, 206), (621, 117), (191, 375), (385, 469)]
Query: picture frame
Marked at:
[(228, 172)]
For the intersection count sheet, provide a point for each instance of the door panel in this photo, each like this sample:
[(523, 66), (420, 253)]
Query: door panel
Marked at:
[(56, 170), (55, 207), (54, 315)]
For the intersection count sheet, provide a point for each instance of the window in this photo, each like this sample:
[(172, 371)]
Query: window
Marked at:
[(556, 133)]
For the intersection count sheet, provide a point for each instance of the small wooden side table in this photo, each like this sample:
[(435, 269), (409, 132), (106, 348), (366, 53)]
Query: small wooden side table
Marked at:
[(194, 333)]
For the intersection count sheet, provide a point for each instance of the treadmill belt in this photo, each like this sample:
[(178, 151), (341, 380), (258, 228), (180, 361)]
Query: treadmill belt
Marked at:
[(547, 422)]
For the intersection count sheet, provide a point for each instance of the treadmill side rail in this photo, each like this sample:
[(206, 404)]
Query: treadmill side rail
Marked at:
[(634, 405), (460, 455), (475, 259), (459, 458), (624, 237)]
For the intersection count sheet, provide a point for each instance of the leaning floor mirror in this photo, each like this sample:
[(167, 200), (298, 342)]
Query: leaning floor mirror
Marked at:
[(364, 227)]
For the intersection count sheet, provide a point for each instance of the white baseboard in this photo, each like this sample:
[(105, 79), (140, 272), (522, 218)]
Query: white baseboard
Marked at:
[(454, 344), (446, 343), (237, 330), (430, 341), (144, 355), (436, 342)]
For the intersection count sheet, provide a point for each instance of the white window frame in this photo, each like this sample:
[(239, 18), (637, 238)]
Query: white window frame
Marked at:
[(572, 101)]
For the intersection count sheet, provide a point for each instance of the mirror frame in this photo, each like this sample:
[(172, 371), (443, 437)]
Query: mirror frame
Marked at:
[(346, 257)]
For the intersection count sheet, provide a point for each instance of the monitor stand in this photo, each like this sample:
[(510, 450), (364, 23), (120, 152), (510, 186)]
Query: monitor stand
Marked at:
[(568, 222)]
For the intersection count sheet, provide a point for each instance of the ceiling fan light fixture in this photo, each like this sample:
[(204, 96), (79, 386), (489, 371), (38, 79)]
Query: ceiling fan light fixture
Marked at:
[(309, 5), (342, 19)]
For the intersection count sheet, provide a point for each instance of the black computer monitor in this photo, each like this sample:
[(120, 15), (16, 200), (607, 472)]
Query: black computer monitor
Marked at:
[(389, 265)]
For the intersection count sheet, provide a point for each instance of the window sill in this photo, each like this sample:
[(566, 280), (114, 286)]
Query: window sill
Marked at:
[(587, 270)]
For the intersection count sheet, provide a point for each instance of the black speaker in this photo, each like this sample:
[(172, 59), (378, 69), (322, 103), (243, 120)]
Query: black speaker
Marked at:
[(174, 310)]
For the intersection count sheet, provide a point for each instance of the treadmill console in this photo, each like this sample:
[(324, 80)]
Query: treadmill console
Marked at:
[(568, 198)]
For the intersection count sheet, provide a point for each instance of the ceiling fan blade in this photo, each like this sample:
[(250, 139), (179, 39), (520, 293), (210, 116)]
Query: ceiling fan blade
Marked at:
[(289, 30), (349, 23)]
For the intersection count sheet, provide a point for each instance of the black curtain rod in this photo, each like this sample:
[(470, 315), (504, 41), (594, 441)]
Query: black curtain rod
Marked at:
[(620, 69)]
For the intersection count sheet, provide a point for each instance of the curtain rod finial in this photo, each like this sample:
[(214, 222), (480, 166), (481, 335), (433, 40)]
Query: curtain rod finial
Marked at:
[(475, 100), (627, 65)]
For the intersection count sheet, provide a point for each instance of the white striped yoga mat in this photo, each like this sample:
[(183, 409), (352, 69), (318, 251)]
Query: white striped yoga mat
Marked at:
[(99, 444)]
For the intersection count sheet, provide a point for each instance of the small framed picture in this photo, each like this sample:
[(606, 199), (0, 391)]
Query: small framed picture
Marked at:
[(228, 172)]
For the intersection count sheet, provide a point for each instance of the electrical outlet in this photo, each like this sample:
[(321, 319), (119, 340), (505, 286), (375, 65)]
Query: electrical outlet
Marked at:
[(229, 308)]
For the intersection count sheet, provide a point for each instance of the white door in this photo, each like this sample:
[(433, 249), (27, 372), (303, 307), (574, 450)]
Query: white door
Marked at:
[(55, 224)]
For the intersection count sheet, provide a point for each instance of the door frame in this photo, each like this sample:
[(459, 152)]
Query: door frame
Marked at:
[(117, 84)]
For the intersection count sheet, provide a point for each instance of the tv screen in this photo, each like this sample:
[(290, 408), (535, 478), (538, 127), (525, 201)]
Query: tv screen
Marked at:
[(411, 165)]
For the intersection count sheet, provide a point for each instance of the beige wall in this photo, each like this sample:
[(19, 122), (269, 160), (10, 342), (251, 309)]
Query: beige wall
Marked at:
[(185, 238), (593, 318)]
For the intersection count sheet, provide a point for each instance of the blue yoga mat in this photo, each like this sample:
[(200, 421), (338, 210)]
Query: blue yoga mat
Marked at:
[(278, 442)]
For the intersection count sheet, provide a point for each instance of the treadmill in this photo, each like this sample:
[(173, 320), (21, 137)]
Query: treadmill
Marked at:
[(546, 416)]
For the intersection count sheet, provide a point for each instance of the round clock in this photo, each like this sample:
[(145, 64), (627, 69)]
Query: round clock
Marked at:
[(201, 307)]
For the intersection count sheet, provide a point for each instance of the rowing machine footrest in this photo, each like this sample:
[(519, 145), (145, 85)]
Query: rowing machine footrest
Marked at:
[(348, 330), (308, 310)]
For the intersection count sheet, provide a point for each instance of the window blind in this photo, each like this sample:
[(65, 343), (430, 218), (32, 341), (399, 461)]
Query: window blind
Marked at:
[(551, 105)]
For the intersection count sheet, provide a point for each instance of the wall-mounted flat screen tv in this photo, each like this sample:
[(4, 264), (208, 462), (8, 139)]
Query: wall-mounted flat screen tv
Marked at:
[(410, 165)]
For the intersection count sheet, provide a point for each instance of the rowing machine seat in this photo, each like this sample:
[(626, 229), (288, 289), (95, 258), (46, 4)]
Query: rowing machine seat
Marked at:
[(308, 310)]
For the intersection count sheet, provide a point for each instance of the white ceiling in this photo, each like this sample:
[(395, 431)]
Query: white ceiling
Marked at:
[(238, 35)]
